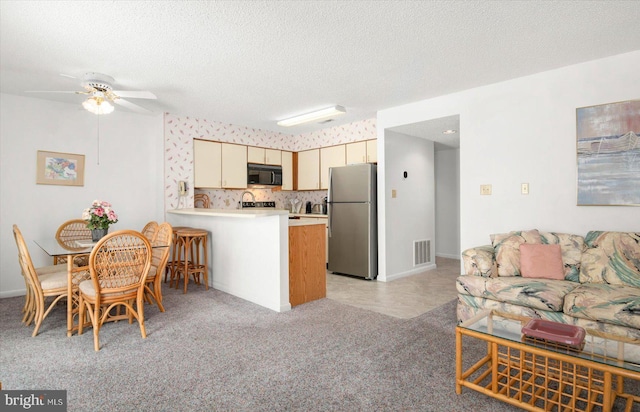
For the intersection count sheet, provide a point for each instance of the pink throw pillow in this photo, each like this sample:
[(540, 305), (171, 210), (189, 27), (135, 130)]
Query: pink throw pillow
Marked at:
[(541, 261)]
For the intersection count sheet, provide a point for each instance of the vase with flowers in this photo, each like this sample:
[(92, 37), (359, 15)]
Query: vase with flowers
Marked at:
[(99, 216)]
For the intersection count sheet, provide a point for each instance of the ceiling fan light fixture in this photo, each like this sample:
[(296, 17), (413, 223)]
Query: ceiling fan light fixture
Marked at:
[(313, 116), (97, 105)]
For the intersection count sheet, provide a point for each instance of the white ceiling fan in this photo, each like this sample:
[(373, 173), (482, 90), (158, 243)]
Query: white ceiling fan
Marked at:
[(99, 89)]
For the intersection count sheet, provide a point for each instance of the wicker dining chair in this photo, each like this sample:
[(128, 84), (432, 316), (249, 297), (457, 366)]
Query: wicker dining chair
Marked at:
[(150, 230), (159, 259), (201, 200), (118, 265), (40, 286), (68, 233)]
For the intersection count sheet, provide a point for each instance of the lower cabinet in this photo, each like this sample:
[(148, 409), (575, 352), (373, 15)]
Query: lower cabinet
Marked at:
[(307, 267)]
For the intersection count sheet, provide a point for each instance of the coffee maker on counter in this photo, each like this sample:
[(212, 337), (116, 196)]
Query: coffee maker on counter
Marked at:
[(308, 208), (324, 205)]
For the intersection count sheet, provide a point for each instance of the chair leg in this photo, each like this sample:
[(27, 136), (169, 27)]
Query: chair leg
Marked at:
[(157, 286), (97, 322), (39, 316), (140, 310), (81, 315)]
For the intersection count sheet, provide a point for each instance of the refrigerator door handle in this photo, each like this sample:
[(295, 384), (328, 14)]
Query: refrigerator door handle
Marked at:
[(330, 219), (330, 187)]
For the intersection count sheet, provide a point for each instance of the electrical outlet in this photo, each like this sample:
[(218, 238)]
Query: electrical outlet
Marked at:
[(485, 189), (524, 188), (394, 194)]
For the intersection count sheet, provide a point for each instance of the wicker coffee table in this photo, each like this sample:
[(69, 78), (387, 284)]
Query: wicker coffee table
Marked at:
[(540, 375)]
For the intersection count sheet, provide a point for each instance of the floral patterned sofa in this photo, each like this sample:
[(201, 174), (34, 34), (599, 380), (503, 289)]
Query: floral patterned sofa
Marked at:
[(598, 287)]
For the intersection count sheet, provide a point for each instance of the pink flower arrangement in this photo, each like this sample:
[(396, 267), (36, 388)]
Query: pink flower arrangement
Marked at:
[(99, 215)]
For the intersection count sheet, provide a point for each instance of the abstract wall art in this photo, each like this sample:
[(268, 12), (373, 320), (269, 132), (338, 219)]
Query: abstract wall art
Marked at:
[(608, 143)]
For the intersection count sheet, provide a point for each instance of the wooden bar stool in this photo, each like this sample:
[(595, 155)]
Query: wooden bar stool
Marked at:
[(192, 253), (172, 267)]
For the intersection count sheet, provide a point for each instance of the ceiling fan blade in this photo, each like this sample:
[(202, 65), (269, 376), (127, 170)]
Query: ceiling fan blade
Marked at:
[(134, 94), (53, 91), (132, 106)]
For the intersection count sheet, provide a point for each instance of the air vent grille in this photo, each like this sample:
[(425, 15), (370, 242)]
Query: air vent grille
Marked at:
[(421, 252)]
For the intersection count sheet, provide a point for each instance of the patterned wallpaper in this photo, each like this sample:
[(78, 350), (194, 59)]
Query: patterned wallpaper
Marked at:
[(179, 132)]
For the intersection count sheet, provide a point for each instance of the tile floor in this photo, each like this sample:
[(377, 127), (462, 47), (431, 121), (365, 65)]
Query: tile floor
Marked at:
[(403, 298)]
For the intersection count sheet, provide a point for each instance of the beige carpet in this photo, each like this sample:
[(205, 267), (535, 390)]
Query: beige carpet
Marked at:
[(403, 298)]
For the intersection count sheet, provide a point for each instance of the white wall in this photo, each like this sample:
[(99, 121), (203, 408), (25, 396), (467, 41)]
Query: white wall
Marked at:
[(447, 170), (411, 215), (129, 174), (522, 130)]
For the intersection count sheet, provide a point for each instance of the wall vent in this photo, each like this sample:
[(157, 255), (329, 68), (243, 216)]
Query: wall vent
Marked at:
[(421, 252)]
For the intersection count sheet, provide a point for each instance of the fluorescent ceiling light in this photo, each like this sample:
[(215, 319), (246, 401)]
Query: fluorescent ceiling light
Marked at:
[(450, 131), (313, 116)]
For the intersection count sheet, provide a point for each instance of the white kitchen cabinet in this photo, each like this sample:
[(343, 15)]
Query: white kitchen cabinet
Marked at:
[(309, 170), (372, 151), (287, 170), (255, 154), (365, 151), (207, 158), (332, 156), (234, 166), (264, 156), (356, 152), (272, 157)]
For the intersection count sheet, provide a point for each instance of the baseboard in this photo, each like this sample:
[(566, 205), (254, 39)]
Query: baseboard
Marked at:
[(12, 293), (411, 272), (448, 256)]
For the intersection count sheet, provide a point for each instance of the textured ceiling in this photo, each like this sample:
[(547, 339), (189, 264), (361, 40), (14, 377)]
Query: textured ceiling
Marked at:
[(253, 63)]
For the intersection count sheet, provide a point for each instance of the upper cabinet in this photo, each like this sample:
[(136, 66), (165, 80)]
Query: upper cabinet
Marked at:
[(207, 158), (261, 155), (332, 156), (372, 151), (255, 154), (224, 165), (365, 151), (356, 152), (287, 170), (219, 165), (272, 157), (234, 166), (309, 170)]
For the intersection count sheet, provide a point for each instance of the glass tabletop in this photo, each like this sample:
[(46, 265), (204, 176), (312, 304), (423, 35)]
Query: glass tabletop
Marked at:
[(54, 248), (604, 348)]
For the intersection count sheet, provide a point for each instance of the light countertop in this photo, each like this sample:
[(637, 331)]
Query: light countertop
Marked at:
[(306, 222), (309, 215), (241, 213)]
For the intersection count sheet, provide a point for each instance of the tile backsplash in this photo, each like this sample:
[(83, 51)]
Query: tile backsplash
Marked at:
[(230, 199)]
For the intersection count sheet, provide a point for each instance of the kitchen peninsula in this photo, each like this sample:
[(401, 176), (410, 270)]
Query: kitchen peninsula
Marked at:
[(249, 252)]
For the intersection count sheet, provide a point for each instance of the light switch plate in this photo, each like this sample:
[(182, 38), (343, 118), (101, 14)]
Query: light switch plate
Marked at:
[(394, 193), (525, 188), (485, 189)]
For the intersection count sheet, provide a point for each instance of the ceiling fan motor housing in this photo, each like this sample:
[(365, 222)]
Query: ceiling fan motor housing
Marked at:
[(98, 81)]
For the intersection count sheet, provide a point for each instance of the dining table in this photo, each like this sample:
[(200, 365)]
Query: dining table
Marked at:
[(76, 274)]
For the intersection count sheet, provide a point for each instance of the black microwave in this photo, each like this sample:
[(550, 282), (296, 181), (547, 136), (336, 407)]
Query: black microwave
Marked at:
[(264, 175)]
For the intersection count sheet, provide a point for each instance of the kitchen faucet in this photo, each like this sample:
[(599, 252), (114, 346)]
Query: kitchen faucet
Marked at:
[(253, 198)]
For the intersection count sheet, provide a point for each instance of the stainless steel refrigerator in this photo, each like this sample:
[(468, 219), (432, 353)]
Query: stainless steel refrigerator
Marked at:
[(353, 234)]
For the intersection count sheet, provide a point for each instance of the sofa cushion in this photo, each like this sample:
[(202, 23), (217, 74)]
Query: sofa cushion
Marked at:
[(572, 246), (611, 257), (540, 294), (541, 261), (617, 304), (507, 250)]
